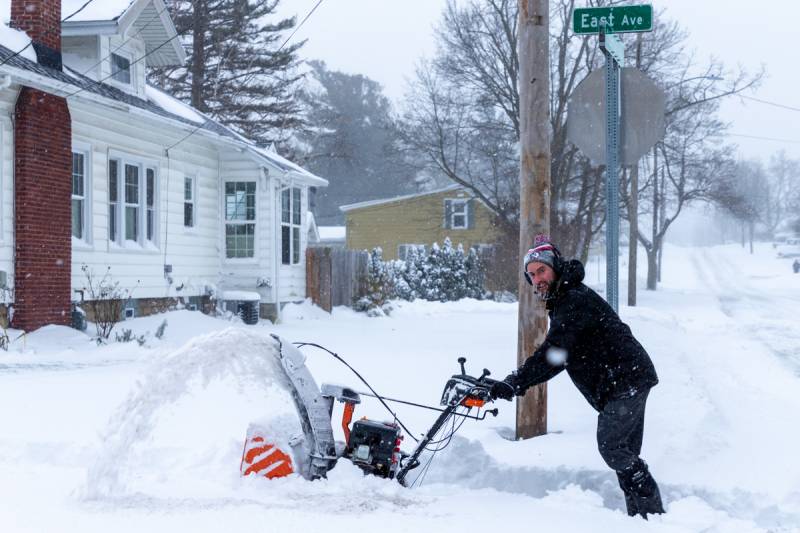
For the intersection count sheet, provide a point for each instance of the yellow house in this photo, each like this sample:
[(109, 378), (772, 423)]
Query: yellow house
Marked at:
[(396, 224)]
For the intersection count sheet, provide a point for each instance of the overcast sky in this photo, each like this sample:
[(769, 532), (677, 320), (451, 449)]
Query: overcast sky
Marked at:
[(384, 39)]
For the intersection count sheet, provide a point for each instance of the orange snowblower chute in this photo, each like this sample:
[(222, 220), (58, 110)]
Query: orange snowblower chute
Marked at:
[(262, 458)]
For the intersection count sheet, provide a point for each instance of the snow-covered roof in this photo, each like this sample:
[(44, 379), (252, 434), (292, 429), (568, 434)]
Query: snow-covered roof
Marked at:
[(16, 40), (149, 20), (332, 233), (25, 66), (96, 10), (370, 203)]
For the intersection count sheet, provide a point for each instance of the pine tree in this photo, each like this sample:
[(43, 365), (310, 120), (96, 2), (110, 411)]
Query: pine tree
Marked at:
[(234, 70)]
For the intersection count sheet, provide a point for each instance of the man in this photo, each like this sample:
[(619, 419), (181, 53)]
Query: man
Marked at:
[(603, 359)]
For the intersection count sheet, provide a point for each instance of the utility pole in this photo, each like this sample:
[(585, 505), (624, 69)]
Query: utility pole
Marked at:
[(534, 189)]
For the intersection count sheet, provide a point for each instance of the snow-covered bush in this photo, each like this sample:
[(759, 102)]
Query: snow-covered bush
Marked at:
[(377, 284), (443, 274)]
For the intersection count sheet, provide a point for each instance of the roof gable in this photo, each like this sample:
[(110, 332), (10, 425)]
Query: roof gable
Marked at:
[(148, 19)]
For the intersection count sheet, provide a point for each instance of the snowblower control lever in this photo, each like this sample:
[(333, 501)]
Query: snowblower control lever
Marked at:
[(461, 390)]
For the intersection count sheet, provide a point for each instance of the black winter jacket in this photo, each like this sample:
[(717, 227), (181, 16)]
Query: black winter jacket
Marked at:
[(602, 358)]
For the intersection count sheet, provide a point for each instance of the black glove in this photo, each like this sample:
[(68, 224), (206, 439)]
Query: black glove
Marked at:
[(502, 389)]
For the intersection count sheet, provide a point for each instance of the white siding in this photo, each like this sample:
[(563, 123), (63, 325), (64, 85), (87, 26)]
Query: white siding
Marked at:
[(193, 254), (197, 255), (8, 99)]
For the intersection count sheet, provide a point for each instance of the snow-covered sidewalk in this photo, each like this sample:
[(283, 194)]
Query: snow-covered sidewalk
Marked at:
[(167, 421)]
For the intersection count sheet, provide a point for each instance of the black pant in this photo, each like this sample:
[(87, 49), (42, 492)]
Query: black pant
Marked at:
[(620, 428)]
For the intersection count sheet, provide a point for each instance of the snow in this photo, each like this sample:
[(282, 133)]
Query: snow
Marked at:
[(173, 105), (241, 296), (127, 438), (96, 10), (14, 39), (329, 233)]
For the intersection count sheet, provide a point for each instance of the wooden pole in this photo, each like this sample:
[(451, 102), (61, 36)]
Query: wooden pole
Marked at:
[(534, 181)]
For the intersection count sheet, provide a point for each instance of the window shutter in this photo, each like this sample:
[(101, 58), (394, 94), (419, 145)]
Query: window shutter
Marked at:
[(448, 213), (471, 213)]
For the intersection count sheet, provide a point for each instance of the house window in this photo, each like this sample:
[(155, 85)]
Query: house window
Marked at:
[(240, 219), (132, 202), (121, 69), (188, 202), (290, 225), (79, 191), (150, 196), (459, 214), (113, 186)]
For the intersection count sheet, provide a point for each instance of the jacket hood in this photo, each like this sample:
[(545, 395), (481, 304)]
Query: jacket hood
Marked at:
[(572, 274)]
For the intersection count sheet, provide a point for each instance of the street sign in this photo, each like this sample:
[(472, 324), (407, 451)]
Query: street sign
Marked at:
[(614, 46), (642, 123), (620, 19)]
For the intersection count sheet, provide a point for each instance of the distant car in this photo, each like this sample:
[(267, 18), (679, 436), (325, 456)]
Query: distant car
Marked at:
[(787, 245)]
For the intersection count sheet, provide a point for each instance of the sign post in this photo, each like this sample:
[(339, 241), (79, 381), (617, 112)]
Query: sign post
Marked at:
[(614, 56), (606, 22)]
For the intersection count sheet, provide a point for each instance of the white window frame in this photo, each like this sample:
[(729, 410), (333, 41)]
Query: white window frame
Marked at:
[(459, 202), (295, 228), (143, 165), (131, 72), (226, 223), (192, 200), (85, 150)]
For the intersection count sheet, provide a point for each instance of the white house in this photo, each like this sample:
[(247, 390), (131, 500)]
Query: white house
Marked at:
[(100, 169)]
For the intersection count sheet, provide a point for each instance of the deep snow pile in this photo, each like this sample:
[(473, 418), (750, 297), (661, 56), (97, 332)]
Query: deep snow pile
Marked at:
[(182, 425), (126, 438)]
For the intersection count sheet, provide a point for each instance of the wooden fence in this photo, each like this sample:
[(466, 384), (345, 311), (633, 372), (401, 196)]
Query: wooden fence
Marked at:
[(335, 276)]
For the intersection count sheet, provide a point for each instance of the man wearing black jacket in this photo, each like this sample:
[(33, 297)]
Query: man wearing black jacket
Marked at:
[(603, 359)]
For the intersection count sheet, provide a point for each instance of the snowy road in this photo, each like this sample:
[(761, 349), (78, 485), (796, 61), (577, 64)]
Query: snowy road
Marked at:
[(129, 439), (757, 303)]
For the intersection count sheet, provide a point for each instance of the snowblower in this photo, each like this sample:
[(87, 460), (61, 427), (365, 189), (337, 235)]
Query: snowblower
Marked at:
[(373, 446)]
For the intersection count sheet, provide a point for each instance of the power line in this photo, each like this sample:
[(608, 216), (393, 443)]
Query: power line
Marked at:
[(51, 30), (126, 41), (767, 102), (198, 128), (145, 56), (790, 141)]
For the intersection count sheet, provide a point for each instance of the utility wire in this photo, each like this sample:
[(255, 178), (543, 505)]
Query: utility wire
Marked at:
[(767, 102), (199, 127), (126, 41), (145, 56), (51, 30), (789, 141), (364, 381)]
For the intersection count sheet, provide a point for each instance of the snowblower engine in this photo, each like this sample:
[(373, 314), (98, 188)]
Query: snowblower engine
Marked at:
[(375, 447)]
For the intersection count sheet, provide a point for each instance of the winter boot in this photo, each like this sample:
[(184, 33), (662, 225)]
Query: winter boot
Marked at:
[(630, 502), (643, 489)]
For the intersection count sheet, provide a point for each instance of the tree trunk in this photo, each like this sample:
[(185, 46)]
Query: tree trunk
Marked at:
[(633, 238), (751, 232), (534, 176), (199, 29), (652, 267)]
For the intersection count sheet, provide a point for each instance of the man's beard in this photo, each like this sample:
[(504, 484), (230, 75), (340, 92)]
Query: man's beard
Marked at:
[(547, 290)]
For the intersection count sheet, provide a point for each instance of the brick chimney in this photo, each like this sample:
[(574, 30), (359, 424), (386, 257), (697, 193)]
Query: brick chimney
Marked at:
[(42, 182), (41, 20)]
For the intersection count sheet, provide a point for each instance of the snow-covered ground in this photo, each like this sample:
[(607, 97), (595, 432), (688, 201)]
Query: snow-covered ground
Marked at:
[(128, 438)]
